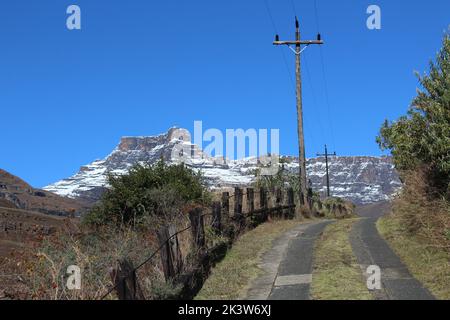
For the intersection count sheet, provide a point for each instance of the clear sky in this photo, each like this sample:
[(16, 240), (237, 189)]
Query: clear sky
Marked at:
[(139, 67)]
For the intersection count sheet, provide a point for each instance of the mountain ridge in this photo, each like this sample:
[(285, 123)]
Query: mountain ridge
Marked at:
[(361, 179), (15, 193)]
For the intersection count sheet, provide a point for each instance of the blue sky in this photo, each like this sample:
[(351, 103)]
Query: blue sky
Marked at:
[(139, 67)]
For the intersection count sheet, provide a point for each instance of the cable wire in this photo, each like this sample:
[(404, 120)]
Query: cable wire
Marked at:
[(327, 96), (283, 55), (293, 7), (313, 94)]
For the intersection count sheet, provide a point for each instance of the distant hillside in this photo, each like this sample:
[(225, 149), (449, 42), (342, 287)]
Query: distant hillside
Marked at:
[(16, 193)]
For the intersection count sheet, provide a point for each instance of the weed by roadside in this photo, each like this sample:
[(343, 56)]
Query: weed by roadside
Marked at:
[(336, 274), (428, 263), (230, 278)]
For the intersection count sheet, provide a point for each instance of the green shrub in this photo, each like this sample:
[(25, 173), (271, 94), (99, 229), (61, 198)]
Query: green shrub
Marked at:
[(159, 191), (421, 139), (282, 179)]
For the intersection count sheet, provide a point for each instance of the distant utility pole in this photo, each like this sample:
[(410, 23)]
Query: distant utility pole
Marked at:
[(326, 154), (301, 139)]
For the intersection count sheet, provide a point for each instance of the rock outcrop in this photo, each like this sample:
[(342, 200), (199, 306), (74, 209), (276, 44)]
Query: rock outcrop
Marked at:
[(361, 179)]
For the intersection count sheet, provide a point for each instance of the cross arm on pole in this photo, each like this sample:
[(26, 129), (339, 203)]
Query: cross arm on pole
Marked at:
[(327, 154), (302, 42)]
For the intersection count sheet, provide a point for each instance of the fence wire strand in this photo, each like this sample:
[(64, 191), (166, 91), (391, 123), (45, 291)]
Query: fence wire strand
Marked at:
[(244, 215)]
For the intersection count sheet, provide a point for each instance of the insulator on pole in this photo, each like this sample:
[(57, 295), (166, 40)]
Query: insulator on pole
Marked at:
[(277, 37), (319, 37)]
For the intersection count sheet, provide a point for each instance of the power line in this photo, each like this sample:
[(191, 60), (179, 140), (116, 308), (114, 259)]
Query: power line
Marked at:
[(293, 7), (288, 69), (274, 26), (327, 99), (316, 15), (322, 60), (313, 94), (270, 16)]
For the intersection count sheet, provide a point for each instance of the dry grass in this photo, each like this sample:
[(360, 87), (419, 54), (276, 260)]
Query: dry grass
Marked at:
[(418, 229), (335, 208), (336, 274), (43, 267), (424, 213), (96, 252), (428, 263), (230, 278)]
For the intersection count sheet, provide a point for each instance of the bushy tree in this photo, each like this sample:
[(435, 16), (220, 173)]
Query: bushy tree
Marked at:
[(147, 190), (421, 139), (282, 179)]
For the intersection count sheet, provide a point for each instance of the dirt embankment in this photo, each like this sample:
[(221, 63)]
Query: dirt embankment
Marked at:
[(21, 228), (16, 193), (21, 232)]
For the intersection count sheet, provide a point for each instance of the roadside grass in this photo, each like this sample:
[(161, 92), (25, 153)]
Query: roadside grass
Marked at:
[(430, 265), (336, 273), (230, 278)]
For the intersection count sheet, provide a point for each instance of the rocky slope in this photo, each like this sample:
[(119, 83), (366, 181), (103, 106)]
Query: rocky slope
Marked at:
[(360, 179), (17, 194)]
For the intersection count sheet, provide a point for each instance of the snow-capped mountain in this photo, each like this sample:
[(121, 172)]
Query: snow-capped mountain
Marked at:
[(360, 179)]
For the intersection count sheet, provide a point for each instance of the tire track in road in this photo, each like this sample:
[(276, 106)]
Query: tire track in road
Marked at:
[(288, 265), (371, 249)]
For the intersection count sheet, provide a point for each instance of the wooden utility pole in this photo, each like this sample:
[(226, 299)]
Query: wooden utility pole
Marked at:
[(301, 139), (326, 154)]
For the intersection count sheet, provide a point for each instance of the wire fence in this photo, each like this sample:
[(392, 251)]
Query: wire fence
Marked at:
[(271, 201), (147, 260)]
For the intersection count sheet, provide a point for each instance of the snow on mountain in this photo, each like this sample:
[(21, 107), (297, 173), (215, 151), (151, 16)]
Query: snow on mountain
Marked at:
[(360, 179)]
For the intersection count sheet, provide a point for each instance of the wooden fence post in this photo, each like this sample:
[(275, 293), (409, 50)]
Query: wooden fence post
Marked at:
[(250, 200), (310, 198), (263, 203), (226, 203), (125, 281), (197, 228), (271, 201), (279, 201), (226, 216), (171, 258), (238, 197), (238, 200), (217, 217), (290, 202)]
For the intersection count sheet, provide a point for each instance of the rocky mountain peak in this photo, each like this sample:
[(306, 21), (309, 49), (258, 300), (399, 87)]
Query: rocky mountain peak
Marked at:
[(362, 179)]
